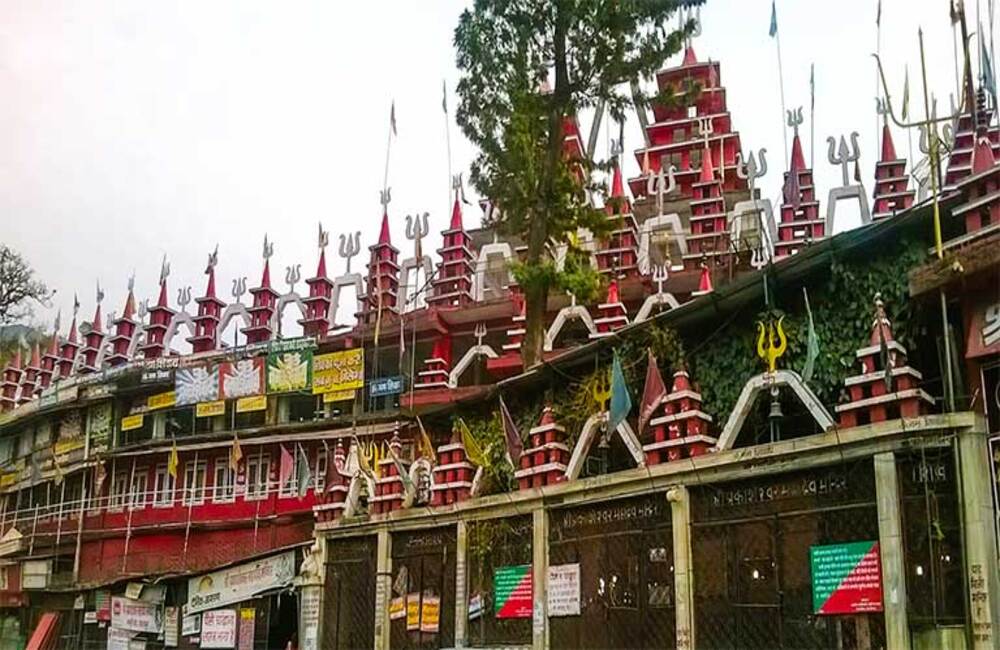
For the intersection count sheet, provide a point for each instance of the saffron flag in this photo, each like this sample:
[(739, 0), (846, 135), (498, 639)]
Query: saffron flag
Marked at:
[(235, 455), (513, 437), (812, 343), (173, 461), (331, 478), (472, 448), (652, 394), (303, 472), (621, 402), (426, 446), (773, 31), (285, 467)]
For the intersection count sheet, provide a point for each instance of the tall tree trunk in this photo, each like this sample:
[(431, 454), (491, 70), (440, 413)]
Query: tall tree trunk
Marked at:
[(536, 297)]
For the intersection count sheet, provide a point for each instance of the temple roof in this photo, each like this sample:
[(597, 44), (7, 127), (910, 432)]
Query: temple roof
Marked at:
[(798, 160), (383, 235), (888, 148)]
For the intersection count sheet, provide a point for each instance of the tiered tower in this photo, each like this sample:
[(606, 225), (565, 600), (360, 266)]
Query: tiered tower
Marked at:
[(619, 253), (11, 380), (160, 316), (891, 193), (437, 367), (30, 378), (317, 320), (709, 238), (960, 163), (124, 330), (334, 497), (382, 288), (545, 462), (70, 346), (981, 190), (682, 430), (801, 223), (453, 282), (613, 315), (264, 303), (887, 387), (679, 133), (94, 338), (206, 322), (50, 360), (453, 473)]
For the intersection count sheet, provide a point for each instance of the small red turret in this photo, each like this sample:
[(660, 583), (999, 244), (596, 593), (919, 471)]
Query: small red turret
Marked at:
[(265, 300), (206, 322), (317, 320)]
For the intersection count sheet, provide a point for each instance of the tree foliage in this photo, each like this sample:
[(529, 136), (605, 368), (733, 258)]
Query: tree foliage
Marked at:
[(507, 51), (19, 287)]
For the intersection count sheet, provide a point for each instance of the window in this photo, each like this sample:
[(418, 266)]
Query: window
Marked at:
[(321, 460), (194, 482), (163, 490), (258, 476), (119, 489), (140, 489), (6, 450), (222, 487)]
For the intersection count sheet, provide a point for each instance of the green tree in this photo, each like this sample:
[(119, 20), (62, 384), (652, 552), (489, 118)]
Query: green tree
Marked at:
[(596, 51), (19, 287)]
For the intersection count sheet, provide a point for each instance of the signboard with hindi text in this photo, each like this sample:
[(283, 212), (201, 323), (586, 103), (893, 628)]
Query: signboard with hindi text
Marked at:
[(512, 591), (218, 628), (564, 590), (289, 371), (338, 371), (846, 578), (238, 583), (250, 404), (210, 409), (136, 615)]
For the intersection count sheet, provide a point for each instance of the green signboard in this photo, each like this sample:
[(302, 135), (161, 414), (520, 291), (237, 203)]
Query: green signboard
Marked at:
[(512, 591), (846, 578)]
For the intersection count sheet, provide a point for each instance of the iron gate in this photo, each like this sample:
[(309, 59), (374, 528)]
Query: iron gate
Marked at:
[(349, 601)]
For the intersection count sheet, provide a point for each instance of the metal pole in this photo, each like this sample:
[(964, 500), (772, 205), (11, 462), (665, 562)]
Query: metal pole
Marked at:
[(781, 84), (128, 504), (190, 497), (79, 529)]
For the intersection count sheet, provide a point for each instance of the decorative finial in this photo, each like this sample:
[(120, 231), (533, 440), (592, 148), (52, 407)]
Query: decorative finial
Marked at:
[(844, 156), (164, 269), (349, 247), (239, 287), (882, 108), (749, 169), (480, 333), (385, 197), (324, 237), (213, 259), (131, 281), (660, 273), (268, 248), (292, 275), (58, 323), (660, 184), (184, 295), (143, 309), (706, 128), (795, 119), (76, 305), (100, 294), (774, 349), (417, 227), (617, 147)]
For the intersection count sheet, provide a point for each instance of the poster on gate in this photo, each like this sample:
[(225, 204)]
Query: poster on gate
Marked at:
[(512, 591), (135, 615), (846, 578), (218, 628), (248, 620), (171, 625), (564, 590)]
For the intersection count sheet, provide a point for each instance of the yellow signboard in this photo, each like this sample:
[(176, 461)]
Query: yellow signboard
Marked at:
[(10, 478), (338, 396), (162, 400), (130, 422), (65, 446), (338, 371), (252, 403), (210, 409)]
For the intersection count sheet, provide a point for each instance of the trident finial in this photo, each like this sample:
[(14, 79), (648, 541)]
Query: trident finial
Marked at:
[(184, 297), (268, 248), (239, 287), (76, 305), (131, 281), (459, 187), (774, 349), (164, 269), (706, 128), (795, 119), (385, 197), (213, 259), (845, 155), (349, 247), (480, 333), (58, 323), (749, 169), (324, 237), (686, 15), (660, 273), (292, 275), (143, 309), (601, 389), (882, 108), (417, 228), (100, 294), (661, 184)]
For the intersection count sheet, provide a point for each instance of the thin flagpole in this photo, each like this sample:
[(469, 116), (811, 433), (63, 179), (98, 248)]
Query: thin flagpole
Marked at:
[(781, 83), (812, 115), (128, 504), (388, 147), (878, 86), (447, 139)]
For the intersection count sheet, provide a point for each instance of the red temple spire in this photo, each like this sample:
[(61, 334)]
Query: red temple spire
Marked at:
[(96, 325), (16, 363), (689, 56), (707, 173), (321, 267), (265, 278), (129, 311), (798, 160), (982, 156), (36, 357), (456, 216), (888, 148), (383, 235)]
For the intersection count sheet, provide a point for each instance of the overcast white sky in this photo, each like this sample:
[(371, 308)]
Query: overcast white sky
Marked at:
[(133, 129)]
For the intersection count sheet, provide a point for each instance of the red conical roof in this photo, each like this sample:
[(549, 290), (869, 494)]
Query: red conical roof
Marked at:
[(96, 325), (162, 300), (705, 281), (613, 293), (456, 216), (36, 357), (707, 173), (982, 156), (321, 267), (210, 287), (888, 148), (72, 330), (798, 160), (383, 235), (689, 56), (129, 306), (54, 344), (265, 278), (16, 363)]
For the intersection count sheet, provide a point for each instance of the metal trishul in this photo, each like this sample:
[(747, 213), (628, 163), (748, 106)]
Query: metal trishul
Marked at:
[(350, 245), (480, 333), (659, 275), (131, 281), (617, 147), (601, 390), (845, 155), (324, 237), (749, 170), (459, 186), (770, 349), (882, 108), (143, 309), (164, 269), (184, 297), (292, 275), (706, 128), (686, 15), (100, 295), (795, 119), (239, 288), (58, 323), (660, 184), (268, 248), (213, 259), (109, 320), (385, 197), (417, 228), (76, 305), (946, 137)]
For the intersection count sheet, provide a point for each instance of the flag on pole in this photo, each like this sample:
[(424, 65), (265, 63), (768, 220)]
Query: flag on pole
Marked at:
[(906, 94), (773, 31), (472, 448), (285, 467), (303, 472), (392, 117), (812, 86), (652, 394), (173, 461), (235, 455), (426, 446), (987, 71), (444, 96), (513, 437), (621, 402), (812, 343), (404, 475)]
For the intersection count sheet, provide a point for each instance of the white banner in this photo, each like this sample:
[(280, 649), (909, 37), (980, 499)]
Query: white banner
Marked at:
[(135, 615), (218, 628), (239, 583), (564, 590)]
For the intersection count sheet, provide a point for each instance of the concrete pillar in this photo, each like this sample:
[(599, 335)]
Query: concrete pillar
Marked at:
[(680, 511), (310, 582), (383, 589), (461, 584), (980, 540), (540, 579), (890, 534)]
